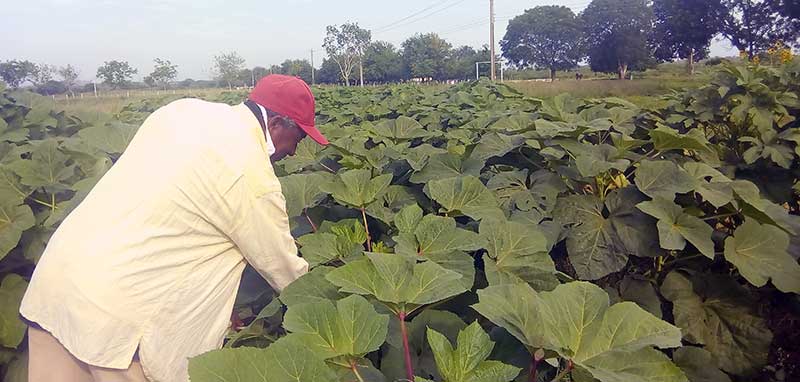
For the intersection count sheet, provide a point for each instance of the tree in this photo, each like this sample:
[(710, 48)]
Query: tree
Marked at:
[(260, 72), (42, 74), (297, 68), (753, 26), (345, 45), (684, 29), (426, 55), (16, 72), (382, 63), (328, 72), (69, 76), (461, 64), (164, 72), (116, 73), (228, 67), (616, 32), (544, 37)]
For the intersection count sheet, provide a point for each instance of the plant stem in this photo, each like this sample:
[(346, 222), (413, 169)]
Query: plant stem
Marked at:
[(406, 349), (564, 372), (355, 371), (534, 367), (721, 216), (327, 168), (668, 263), (313, 226), (53, 202), (366, 229)]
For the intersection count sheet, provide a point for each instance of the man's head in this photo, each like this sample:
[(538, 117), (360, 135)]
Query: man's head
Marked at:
[(291, 112)]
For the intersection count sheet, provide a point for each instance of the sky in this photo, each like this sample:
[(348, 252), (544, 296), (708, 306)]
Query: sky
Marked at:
[(85, 33)]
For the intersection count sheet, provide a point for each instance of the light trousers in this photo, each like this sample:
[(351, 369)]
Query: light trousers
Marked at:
[(49, 361)]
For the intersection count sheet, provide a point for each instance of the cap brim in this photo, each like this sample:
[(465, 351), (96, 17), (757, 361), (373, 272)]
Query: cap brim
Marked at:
[(314, 134)]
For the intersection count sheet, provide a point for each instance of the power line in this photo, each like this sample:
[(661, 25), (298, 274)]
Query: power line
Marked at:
[(424, 16), (436, 4)]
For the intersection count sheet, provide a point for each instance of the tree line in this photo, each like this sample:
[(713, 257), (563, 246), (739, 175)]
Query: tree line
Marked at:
[(619, 35), (613, 36)]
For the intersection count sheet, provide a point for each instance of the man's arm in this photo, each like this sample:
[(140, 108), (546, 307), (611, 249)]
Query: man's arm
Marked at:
[(261, 231)]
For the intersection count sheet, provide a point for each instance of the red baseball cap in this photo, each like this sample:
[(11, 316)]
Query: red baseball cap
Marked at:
[(291, 97)]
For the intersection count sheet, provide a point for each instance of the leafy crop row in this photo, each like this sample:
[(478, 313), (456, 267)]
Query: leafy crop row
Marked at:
[(474, 234)]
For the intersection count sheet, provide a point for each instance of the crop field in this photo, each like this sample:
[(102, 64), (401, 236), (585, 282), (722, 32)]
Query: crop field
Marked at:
[(480, 232)]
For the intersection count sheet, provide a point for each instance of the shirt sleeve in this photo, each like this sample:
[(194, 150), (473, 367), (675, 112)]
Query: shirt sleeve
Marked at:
[(261, 231)]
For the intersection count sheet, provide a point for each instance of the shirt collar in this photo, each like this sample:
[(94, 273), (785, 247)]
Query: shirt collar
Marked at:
[(270, 145)]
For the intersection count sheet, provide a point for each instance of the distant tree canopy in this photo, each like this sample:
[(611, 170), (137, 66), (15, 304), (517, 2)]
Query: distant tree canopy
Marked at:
[(163, 73), (753, 26), (684, 29), (382, 63), (115, 73), (228, 67), (546, 37), (16, 72), (345, 45), (426, 56), (616, 33)]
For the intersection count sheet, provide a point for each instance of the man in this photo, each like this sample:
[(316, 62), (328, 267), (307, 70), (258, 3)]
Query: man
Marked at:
[(143, 273)]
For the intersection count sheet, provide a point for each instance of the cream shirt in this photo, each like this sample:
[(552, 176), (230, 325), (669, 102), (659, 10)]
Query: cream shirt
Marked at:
[(152, 258)]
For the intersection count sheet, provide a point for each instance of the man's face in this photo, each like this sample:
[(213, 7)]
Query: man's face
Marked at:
[(285, 136)]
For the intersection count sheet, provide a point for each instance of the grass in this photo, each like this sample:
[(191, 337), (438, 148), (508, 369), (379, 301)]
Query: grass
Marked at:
[(113, 102)]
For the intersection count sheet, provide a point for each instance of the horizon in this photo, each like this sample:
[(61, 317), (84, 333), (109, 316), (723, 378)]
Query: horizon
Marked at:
[(85, 33)]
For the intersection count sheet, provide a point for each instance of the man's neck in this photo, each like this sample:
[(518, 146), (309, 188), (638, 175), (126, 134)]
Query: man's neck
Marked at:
[(261, 116)]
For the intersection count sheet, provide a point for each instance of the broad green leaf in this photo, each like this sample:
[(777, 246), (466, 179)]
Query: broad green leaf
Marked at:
[(464, 195), (357, 188), (306, 155), (715, 311), (283, 361), (436, 235), (34, 241), (111, 139), (613, 343), (698, 365), (10, 186), (417, 157), (10, 133), (468, 361), (14, 219), (392, 363), (593, 160), (514, 191), (17, 369), (662, 178), (311, 287), (443, 166), (517, 251), (665, 138), (46, 169), (676, 227), (341, 241), (753, 205), (303, 191), (516, 123), (599, 244), (760, 253), (496, 145), (716, 189), (401, 129), (12, 329), (408, 218), (397, 280), (640, 291), (349, 329), (390, 202)]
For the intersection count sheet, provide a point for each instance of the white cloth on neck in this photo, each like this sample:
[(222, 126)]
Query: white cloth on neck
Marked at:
[(270, 145)]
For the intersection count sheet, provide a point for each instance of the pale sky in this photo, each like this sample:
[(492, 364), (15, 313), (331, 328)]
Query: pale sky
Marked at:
[(85, 33)]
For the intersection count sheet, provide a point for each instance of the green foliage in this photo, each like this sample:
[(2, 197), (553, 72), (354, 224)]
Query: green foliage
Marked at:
[(116, 73), (545, 37), (616, 34), (429, 201)]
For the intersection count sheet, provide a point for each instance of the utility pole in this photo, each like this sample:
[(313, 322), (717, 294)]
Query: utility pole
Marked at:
[(491, 38), (312, 67)]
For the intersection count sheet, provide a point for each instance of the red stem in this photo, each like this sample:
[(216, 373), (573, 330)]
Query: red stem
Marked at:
[(313, 226), (406, 349), (534, 367)]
